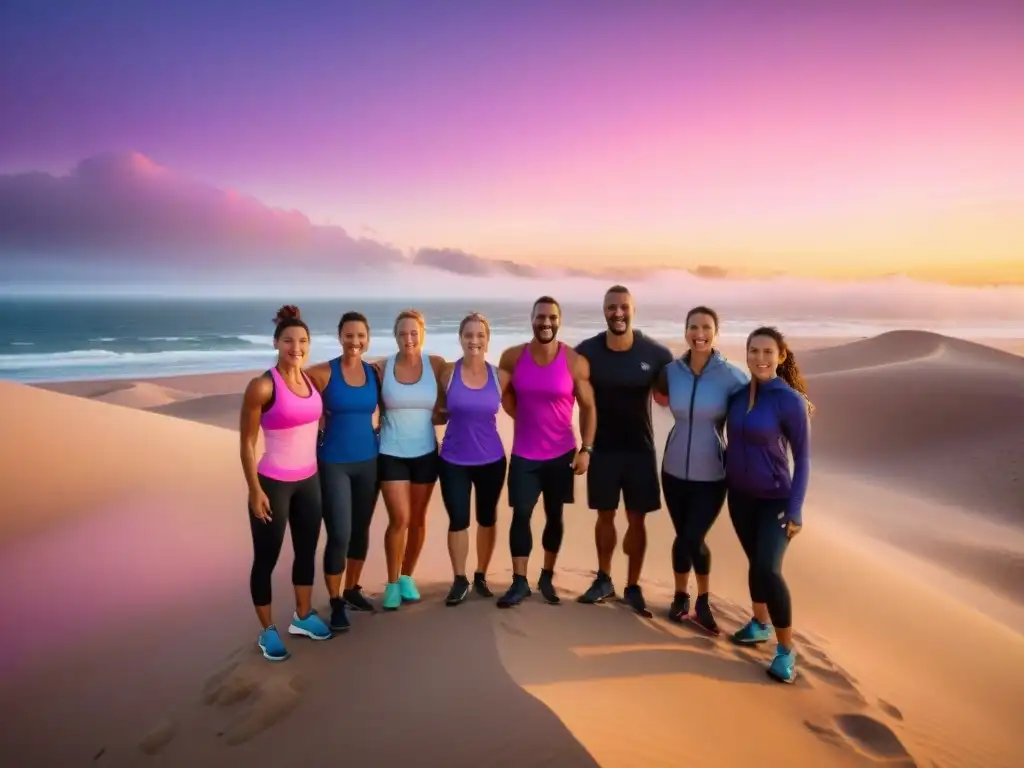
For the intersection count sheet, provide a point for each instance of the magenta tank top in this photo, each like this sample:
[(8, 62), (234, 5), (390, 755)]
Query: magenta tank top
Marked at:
[(290, 433), (545, 396)]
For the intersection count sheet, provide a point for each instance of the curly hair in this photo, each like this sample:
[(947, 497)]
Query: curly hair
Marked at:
[(288, 316), (788, 370)]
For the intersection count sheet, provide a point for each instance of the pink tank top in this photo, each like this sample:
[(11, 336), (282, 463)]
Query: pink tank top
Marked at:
[(290, 432), (545, 396)]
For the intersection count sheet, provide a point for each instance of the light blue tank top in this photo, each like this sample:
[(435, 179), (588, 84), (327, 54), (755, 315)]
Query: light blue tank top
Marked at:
[(407, 429)]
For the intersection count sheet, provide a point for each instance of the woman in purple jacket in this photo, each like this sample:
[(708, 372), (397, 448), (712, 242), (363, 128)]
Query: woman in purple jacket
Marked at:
[(765, 422)]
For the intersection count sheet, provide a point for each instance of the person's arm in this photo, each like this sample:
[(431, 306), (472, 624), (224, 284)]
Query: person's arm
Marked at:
[(442, 375), (796, 428), (507, 364), (659, 388), (257, 394), (580, 368), (320, 376)]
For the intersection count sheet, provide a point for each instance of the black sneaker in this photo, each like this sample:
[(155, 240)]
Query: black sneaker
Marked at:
[(480, 585), (680, 607), (356, 601), (547, 587), (458, 592), (519, 591), (339, 615), (633, 596), (703, 617), (600, 590)]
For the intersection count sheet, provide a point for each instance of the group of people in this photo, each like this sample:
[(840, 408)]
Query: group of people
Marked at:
[(338, 433)]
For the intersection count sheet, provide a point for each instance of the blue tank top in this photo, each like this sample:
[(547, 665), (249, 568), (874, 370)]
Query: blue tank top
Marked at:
[(471, 438), (407, 429), (348, 412)]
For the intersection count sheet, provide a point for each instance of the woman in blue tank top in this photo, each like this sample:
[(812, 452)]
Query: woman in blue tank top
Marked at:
[(347, 458), (472, 454), (407, 464)]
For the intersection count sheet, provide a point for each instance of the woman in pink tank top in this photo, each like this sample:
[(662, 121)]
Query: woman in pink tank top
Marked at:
[(283, 485)]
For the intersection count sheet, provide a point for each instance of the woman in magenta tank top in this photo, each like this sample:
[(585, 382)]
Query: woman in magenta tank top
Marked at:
[(472, 454), (284, 489)]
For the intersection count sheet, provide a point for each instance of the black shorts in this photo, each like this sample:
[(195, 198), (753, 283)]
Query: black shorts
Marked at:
[(529, 479), (627, 476), (421, 470)]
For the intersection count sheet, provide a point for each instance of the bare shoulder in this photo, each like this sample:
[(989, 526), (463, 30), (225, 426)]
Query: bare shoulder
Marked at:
[(258, 391), (438, 363), (510, 357), (579, 365), (444, 373), (320, 374)]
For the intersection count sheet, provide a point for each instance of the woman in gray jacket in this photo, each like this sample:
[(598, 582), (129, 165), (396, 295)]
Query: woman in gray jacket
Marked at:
[(696, 387)]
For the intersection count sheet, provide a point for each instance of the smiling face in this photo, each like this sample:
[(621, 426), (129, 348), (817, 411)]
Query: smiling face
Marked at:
[(409, 335), (354, 338), (292, 347), (763, 357), (701, 331), (474, 339), (545, 320), (618, 312)]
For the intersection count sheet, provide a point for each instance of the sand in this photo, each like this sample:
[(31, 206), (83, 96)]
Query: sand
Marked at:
[(129, 639)]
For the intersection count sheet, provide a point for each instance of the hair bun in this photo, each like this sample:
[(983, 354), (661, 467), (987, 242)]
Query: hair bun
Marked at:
[(287, 312)]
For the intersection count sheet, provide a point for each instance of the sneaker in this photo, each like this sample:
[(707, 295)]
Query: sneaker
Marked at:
[(356, 601), (312, 627), (519, 591), (271, 645), (783, 666), (633, 596), (702, 615), (480, 585), (392, 597), (599, 591), (680, 607), (752, 633), (547, 588), (339, 615), (407, 589), (458, 592)]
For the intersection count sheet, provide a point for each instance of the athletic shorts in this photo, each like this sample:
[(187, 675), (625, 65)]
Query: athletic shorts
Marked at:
[(529, 479), (421, 470), (626, 477)]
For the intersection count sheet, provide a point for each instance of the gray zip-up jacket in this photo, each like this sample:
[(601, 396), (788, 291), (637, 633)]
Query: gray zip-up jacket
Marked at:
[(695, 449)]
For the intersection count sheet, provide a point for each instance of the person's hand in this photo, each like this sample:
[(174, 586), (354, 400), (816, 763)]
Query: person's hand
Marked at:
[(581, 463), (259, 506), (792, 529)]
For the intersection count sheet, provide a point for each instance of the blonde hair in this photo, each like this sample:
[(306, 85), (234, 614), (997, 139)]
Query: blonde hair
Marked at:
[(411, 314), (475, 317)]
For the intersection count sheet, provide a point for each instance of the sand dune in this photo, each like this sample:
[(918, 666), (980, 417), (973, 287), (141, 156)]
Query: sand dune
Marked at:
[(143, 395), (143, 516)]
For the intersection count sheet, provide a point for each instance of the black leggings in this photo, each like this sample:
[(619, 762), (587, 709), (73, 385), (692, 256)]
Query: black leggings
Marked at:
[(528, 481), (350, 495), (761, 530), (694, 506), (457, 480), (296, 506)]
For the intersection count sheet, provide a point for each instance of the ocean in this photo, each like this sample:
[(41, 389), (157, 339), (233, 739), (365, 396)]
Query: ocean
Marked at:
[(65, 339)]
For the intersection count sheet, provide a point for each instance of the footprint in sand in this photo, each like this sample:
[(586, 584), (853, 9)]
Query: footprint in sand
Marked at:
[(269, 693), (890, 709), (873, 737)]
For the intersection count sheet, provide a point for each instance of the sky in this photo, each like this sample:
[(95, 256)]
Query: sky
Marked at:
[(832, 140)]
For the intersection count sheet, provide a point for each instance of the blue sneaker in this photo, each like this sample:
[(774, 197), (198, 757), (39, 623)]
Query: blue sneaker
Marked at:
[(752, 633), (407, 589), (392, 597), (271, 645), (783, 666), (312, 627)]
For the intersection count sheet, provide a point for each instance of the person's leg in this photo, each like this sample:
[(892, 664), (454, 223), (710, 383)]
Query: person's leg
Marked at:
[(604, 490), (524, 490), (336, 491), (267, 539), (706, 499), (677, 500), (641, 493), (422, 479), (489, 480), (558, 488), (743, 512), (455, 493), (304, 520), (772, 543), (394, 488), (365, 490)]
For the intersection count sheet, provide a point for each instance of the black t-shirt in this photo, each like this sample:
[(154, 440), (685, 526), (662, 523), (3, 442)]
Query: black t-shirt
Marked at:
[(622, 384)]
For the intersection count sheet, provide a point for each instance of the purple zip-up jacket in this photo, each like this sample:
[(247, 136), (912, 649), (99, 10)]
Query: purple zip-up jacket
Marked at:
[(757, 459)]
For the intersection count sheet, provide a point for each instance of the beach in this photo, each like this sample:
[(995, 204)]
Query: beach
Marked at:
[(130, 637)]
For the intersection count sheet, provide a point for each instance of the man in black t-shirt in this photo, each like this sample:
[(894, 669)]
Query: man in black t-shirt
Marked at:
[(624, 364)]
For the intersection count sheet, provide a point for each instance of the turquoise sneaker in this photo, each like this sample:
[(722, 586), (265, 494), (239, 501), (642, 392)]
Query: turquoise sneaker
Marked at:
[(752, 633), (392, 597), (407, 589), (783, 666), (312, 627), (271, 645)]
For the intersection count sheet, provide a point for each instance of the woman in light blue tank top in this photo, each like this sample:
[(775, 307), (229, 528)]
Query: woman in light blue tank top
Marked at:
[(408, 463)]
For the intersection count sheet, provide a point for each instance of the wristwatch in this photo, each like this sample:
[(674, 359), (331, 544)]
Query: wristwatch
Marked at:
[(587, 449)]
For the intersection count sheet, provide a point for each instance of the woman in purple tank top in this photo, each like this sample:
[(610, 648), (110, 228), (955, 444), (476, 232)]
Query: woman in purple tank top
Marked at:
[(472, 455)]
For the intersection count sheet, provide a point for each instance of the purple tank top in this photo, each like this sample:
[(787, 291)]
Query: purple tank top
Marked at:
[(471, 437), (545, 396), (289, 433)]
